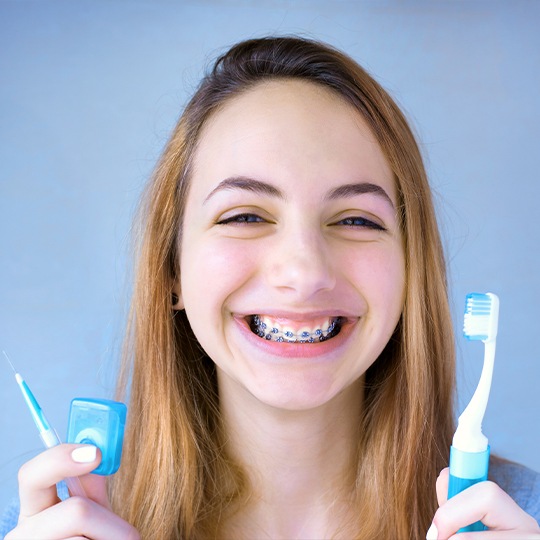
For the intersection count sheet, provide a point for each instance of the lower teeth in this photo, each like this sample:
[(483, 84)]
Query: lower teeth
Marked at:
[(273, 334)]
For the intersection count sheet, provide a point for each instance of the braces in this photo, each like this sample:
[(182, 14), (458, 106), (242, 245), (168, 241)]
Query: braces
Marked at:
[(274, 334)]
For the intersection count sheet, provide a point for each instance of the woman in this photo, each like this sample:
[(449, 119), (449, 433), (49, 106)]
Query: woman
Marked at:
[(290, 360)]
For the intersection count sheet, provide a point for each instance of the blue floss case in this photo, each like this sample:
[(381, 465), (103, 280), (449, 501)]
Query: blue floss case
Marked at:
[(99, 422)]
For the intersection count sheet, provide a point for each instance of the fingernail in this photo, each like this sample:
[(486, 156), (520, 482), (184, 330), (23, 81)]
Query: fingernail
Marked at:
[(84, 454), (433, 533)]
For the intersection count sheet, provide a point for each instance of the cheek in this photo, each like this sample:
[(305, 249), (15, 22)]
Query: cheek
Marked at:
[(391, 279), (379, 272), (212, 271)]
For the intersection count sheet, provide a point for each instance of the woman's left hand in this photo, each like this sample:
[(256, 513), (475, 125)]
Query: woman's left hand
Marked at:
[(485, 502)]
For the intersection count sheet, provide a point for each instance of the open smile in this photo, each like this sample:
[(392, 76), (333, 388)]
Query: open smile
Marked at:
[(287, 331)]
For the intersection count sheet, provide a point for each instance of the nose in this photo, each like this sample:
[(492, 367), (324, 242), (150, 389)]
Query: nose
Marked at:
[(300, 265)]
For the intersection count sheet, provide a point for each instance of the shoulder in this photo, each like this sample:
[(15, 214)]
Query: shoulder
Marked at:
[(9, 518), (521, 483)]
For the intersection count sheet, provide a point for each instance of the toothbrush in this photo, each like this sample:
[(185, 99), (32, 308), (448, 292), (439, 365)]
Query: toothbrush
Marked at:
[(46, 432), (469, 453)]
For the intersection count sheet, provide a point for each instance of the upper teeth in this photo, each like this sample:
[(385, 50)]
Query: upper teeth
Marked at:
[(271, 329)]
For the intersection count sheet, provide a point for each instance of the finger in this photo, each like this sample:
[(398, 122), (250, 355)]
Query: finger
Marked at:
[(442, 486), (496, 535), (76, 517), (39, 476), (95, 487), (485, 502)]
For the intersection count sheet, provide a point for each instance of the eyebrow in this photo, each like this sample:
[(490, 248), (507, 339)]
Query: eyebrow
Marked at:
[(257, 186), (359, 188), (247, 184)]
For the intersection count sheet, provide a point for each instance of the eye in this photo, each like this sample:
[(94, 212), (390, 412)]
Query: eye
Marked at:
[(360, 222), (241, 218)]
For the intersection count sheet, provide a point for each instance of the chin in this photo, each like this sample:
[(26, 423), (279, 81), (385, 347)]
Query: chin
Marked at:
[(302, 391)]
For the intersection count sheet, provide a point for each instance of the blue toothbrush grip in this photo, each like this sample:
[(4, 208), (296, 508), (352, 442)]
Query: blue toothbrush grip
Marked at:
[(467, 469)]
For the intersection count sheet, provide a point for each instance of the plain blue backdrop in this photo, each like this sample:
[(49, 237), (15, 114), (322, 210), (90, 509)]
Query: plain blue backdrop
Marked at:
[(89, 91)]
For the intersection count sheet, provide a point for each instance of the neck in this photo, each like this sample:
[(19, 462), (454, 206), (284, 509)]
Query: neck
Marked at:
[(300, 464)]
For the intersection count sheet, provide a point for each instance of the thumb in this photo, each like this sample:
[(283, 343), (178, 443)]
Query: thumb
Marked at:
[(95, 485), (442, 486)]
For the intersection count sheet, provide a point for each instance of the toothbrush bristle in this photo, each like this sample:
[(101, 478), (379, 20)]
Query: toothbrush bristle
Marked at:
[(9, 361), (481, 316)]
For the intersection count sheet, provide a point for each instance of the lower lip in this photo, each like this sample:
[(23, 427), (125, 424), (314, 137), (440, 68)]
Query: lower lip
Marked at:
[(297, 350)]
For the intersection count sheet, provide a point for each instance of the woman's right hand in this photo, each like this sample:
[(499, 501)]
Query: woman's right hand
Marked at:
[(43, 515)]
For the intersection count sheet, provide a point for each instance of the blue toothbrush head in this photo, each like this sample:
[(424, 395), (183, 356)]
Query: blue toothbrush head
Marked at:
[(481, 318)]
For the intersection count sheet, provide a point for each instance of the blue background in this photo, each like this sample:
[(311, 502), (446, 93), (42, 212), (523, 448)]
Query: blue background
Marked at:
[(89, 91)]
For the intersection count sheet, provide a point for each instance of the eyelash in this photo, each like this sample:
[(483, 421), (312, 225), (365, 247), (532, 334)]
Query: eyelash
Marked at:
[(350, 222), (242, 218)]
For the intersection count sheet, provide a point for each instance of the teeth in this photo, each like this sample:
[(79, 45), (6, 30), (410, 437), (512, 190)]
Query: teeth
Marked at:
[(272, 330)]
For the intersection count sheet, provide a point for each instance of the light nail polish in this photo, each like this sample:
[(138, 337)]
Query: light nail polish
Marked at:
[(84, 454), (433, 533)]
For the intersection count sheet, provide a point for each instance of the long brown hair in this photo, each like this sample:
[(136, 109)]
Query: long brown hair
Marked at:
[(176, 481)]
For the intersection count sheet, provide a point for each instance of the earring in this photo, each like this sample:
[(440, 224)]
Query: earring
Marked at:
[(174, 299)]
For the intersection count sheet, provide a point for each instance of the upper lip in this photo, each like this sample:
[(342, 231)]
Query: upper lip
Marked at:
[(299, 316)]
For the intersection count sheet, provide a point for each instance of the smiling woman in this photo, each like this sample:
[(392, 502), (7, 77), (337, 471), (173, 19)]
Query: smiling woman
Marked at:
[(299, 384), (278, 439)]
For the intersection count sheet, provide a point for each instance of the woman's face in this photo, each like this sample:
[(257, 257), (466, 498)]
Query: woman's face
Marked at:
[(291, 264)]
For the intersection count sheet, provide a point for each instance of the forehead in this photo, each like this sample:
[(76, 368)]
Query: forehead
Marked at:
[(290, 129)]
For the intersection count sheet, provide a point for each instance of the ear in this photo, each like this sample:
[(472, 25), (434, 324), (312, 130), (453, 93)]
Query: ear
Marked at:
[(176, 297)]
